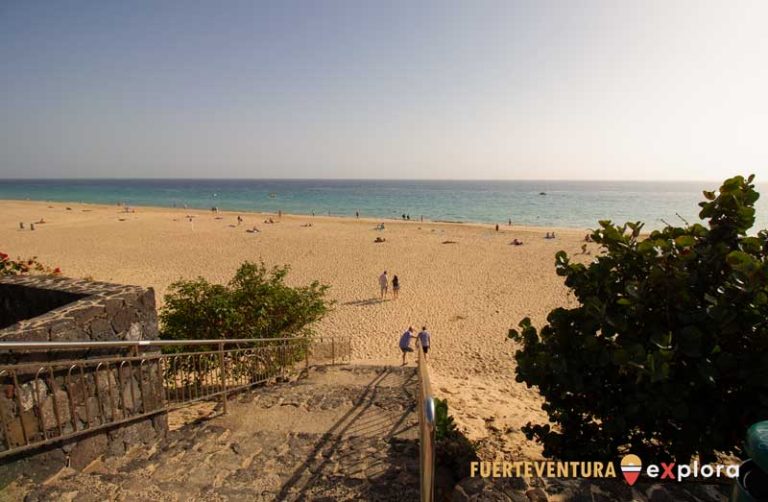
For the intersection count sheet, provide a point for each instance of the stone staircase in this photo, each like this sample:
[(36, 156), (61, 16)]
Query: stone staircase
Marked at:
[(342, 433)]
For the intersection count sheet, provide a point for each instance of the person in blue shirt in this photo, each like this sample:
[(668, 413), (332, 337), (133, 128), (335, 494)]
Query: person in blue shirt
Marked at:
[(405, 342)]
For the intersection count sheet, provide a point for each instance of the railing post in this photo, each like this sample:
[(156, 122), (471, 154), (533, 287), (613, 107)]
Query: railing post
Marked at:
[(223, 370)]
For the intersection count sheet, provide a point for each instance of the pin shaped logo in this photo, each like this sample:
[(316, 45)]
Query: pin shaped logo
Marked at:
[(631, 465)]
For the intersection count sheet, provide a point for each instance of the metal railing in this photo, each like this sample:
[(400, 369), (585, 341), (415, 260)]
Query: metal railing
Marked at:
[(426, 410), (50, 392)]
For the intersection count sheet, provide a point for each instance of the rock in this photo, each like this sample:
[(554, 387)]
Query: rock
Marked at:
[(112, 305), (15, 432), (659, 494), (49, 409), (101, 329), (132, 396), (27, 394), (136, 433), (123, 319), (93, 410), (459, 495), (85, 314), (536, 495), (65, 330), (7, 406), (134, 332), (472, 486), (86, 450)]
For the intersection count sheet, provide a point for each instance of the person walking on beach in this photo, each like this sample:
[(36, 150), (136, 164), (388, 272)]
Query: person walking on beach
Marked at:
[(405, 342), (384, 284), (424, 339), (395, 287), (239, 219)]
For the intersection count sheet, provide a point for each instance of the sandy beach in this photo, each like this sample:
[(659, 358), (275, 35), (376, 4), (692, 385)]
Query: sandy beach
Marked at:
[(468, 293)]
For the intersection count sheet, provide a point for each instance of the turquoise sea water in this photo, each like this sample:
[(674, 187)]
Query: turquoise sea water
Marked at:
[(564, 203)]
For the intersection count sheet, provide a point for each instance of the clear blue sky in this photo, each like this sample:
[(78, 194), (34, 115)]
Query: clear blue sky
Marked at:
[(497, 90)]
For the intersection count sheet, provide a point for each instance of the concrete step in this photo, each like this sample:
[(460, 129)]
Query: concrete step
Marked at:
[(343, 433)]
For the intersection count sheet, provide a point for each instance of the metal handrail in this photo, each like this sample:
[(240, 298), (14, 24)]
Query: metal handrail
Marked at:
[(63, 397), (131, 344), (426, 429)]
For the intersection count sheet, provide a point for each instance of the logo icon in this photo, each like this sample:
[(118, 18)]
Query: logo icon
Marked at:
[(631, 465)]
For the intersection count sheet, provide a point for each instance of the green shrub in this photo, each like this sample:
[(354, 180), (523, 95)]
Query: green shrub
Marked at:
[(444, 424), (255, 304), (667, 353)]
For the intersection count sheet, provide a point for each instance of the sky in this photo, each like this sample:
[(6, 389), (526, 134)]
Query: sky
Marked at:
[(615, 89)]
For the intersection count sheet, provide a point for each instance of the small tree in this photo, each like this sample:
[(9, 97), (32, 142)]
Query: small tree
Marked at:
[(255, 304), (667, 353)]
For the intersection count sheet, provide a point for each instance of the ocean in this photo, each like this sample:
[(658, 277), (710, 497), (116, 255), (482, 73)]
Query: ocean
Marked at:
[(578, 204)]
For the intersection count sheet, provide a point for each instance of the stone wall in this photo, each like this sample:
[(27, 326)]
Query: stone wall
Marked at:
[(92, 311), (55, 402)]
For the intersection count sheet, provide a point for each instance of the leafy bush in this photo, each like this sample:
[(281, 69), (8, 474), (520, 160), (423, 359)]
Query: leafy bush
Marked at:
[(444, 424), (255, 304), (21, 266), (667, 354)]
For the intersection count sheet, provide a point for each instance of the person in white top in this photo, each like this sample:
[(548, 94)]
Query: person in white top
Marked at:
[(424, 339), (384, 284)]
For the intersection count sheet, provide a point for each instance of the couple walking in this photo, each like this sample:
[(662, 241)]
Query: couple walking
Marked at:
[(384, 285), (405, 341)]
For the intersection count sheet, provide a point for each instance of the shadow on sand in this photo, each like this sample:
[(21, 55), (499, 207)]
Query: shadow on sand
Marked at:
[(364, 303)]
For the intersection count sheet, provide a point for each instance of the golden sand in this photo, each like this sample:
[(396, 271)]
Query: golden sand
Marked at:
[(468, 293)]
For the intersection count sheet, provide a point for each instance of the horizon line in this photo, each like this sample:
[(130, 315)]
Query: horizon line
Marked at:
[(104, 178)]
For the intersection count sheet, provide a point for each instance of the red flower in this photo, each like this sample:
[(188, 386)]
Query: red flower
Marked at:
[(3, 256), (57, 270)]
